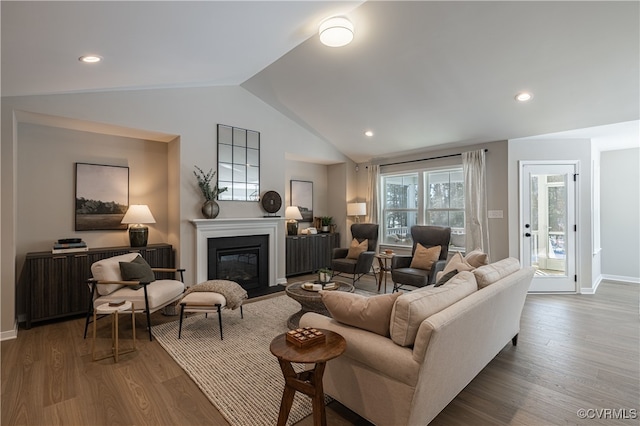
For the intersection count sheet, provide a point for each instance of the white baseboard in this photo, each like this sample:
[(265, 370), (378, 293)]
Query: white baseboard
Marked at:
[(621, 279), (8, 335)]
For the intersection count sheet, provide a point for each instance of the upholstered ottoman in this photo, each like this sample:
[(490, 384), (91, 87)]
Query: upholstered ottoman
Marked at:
[(212, 296)]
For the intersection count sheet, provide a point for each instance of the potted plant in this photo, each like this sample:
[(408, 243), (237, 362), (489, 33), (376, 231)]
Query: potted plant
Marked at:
[(210, 208), (326, 222), (324, 275)]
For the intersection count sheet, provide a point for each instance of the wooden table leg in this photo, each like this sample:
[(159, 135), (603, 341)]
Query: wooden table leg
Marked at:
[(382, 271), (319, 414), (287, 394), (307, 382)]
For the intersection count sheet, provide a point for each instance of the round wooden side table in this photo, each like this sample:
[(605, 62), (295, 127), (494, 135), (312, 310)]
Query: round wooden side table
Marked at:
[(310, 301), (308, 382)]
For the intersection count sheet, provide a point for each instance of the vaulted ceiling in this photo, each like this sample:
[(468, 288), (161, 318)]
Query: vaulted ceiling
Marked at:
[(418, 74)]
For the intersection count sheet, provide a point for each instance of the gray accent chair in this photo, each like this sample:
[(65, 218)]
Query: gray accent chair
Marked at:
[(428, 236), (357, 268)]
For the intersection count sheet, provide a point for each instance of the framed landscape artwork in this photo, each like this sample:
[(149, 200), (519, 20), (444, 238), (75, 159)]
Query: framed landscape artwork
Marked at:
[(102, 197), (302, 196)]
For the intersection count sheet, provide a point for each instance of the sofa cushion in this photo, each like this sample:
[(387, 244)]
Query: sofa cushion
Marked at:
[(137, 270), (456, 262), (477, 258), (412, 308), (493, 272), (423, 257), (357, 248), (371, 313), (109, 270)]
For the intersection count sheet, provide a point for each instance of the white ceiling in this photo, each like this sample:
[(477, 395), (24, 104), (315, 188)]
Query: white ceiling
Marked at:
[(418, 74)]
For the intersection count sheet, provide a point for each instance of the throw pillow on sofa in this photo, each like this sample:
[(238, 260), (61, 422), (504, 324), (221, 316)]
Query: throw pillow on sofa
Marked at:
[(424, 258), (368, 313), (357, 248), (477, 258), (456, 262), (446, 277), (414, 307)]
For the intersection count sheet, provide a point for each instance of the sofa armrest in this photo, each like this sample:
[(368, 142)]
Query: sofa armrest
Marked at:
[(401, 261)]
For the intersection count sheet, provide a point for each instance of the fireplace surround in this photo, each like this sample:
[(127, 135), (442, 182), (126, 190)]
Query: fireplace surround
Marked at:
[(205, 229)]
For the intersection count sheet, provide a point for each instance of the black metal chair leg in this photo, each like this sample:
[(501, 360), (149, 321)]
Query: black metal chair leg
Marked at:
[(220, 320), (181, 315), (241, 312)]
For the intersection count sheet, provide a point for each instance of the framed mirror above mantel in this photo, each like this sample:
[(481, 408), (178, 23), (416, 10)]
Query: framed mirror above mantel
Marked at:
[(238, 163)]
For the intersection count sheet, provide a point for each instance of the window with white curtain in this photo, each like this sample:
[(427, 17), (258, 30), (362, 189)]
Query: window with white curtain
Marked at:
[(423, 197)]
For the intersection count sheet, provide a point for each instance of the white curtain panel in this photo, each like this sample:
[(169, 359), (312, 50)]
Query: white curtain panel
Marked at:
[(475, 201)]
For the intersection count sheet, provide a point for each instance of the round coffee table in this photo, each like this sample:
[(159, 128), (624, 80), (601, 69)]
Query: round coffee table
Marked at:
[(310, 301)]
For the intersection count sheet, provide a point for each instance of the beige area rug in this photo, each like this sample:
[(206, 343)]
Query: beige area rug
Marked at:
[(239, 375)]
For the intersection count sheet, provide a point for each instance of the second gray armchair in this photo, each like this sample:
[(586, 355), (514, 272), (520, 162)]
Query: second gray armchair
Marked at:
[(427, 236)]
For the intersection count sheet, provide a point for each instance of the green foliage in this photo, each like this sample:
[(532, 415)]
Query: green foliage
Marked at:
[(326, 220), (204, 183)]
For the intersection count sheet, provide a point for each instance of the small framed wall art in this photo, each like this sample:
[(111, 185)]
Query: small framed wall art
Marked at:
[(102, 197)]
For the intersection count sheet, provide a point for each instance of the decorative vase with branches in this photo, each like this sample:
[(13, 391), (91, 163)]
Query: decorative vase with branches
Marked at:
[(210, 208)]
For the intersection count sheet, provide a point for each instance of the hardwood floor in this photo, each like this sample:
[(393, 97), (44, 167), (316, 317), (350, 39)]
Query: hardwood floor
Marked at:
[(574, 352)]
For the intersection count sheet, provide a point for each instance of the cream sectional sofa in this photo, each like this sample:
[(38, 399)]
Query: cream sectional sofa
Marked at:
[(439, 339)]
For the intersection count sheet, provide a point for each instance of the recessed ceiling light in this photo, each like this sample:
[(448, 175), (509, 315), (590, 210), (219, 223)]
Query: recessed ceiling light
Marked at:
[(336, 32), (368, 133), (524, 97), (90, 59)]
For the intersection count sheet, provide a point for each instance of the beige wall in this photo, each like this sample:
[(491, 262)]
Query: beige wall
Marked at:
[(185, 119)]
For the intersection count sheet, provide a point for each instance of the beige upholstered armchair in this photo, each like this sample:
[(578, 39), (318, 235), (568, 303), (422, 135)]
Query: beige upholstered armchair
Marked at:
[(407, 270), (356, 261), (129, 277)]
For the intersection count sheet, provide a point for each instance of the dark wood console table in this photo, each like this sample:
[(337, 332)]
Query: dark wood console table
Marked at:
[(308, 253), (55, 285)]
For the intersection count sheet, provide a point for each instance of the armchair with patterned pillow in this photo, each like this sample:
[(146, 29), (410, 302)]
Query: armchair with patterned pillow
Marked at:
[(358, 258), (428, 256)]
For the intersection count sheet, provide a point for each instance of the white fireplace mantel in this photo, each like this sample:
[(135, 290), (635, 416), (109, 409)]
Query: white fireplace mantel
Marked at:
[(216, 228)]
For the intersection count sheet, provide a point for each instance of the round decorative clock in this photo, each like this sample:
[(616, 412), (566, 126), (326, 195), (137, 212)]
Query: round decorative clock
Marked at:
[(271, 202)]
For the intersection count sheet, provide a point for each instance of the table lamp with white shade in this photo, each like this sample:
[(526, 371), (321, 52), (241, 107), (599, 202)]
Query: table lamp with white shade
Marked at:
[(137, 215), (292, 215), (356, 209)]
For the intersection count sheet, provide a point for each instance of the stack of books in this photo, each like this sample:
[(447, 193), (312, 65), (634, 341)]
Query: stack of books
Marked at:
[(69, 245)]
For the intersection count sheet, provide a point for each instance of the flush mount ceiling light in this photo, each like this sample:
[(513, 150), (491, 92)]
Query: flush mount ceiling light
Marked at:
[(524, 97), (336, 32), (90, 59), (368, 133)]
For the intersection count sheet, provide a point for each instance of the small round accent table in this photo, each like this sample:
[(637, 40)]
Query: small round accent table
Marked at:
[(310, 301), (114, 312), (308, 382)]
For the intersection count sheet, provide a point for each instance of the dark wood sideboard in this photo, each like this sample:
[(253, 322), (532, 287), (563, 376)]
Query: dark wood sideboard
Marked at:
[(308, 253), (56, 284)]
